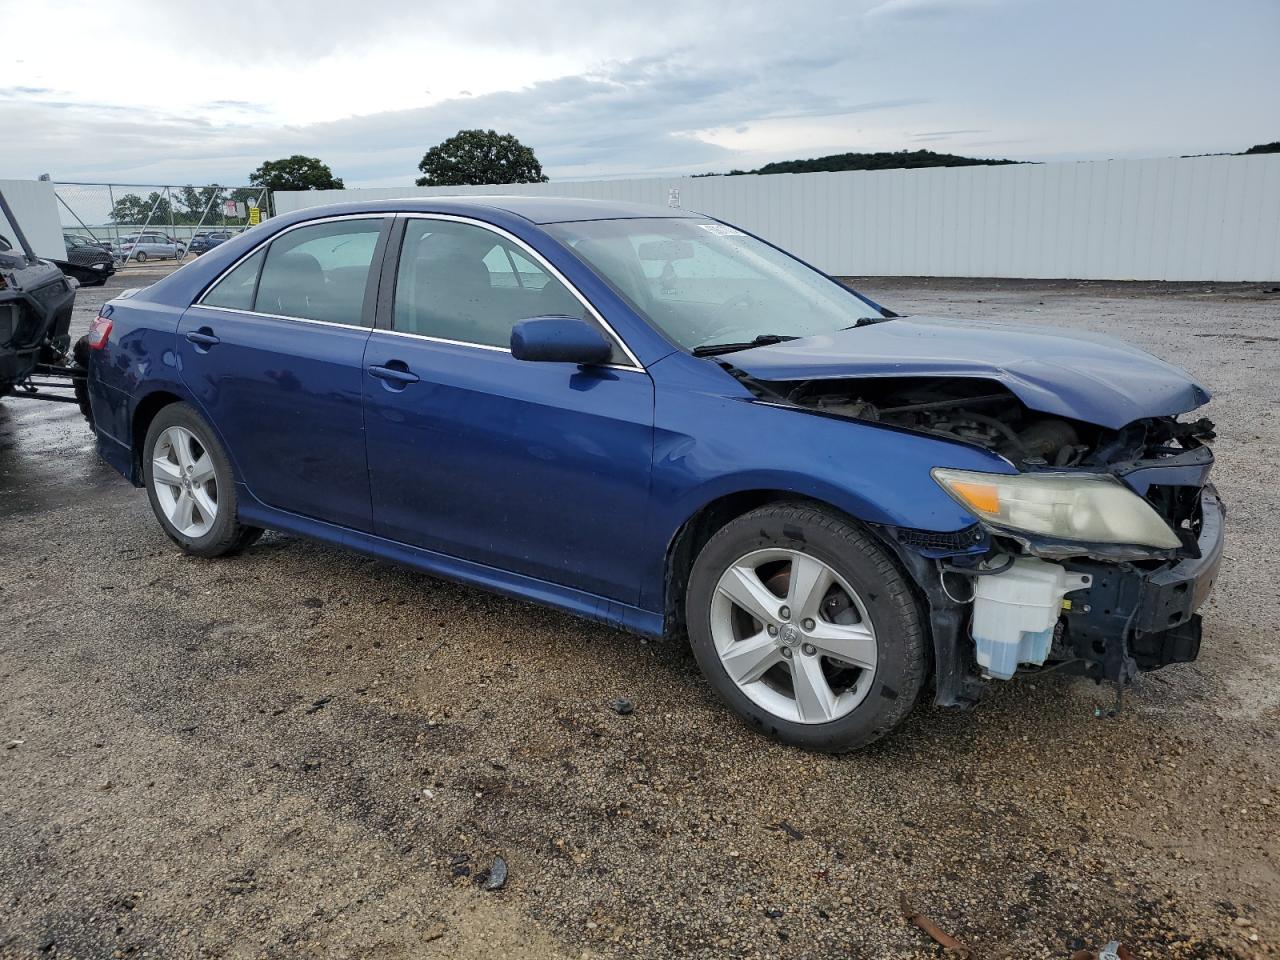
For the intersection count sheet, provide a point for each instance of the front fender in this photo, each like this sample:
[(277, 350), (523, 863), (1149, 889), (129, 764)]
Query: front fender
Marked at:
[(712, 439)]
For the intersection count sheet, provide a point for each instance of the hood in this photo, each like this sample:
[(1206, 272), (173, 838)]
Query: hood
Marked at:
[(1082, 376)]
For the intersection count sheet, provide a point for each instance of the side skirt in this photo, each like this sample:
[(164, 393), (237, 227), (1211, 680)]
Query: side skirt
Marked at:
[(592, 607)]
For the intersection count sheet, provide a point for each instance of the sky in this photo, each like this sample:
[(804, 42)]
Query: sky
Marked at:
[(183, 92)]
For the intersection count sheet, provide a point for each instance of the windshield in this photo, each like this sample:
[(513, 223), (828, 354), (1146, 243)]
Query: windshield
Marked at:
[(705, 284)]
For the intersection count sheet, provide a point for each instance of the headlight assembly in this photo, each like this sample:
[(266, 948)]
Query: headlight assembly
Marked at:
[(1091, 508)]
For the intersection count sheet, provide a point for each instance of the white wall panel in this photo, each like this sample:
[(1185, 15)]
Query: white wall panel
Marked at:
[(1192, 218), (36, 207)]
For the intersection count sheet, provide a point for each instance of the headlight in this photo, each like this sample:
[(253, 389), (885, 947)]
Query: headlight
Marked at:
[(1093, 508)]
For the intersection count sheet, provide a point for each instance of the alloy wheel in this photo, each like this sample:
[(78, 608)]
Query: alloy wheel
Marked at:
[(793, 635), (185, 482)]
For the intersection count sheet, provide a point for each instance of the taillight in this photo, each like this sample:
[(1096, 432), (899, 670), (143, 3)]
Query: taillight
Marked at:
[(99, 331)]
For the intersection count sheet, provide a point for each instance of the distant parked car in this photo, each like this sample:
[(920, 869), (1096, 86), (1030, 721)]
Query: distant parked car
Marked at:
[(77, 239), (88, 260), (204, 241), (151, 246)]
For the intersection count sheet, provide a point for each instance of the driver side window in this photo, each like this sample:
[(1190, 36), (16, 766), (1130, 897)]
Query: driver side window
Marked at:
[(461, 282)]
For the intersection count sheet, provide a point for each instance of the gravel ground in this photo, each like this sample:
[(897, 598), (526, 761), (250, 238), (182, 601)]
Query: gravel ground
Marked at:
[(303, 752)]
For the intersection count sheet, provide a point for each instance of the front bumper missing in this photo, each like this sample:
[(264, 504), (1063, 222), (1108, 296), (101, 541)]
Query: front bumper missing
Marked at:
[(1143, 619), (1134, 616)]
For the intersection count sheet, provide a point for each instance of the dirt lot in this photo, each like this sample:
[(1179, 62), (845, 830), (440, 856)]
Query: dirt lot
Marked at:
[(304, 752)]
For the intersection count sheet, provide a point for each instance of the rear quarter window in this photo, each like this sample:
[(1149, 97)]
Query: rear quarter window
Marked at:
[(235, 291)]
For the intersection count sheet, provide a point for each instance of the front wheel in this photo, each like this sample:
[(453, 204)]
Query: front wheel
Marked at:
[(806, 628), (191, 486), (140, 257)]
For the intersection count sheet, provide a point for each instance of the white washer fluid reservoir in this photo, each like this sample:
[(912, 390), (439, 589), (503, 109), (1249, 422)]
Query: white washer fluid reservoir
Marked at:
[(1014, 613)]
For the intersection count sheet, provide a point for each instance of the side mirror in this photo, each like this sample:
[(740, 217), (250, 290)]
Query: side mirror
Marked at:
[(559, 340)]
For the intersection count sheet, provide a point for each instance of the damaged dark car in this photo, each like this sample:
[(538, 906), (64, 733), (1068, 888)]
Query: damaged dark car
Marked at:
[(89, 261), (661, 422)]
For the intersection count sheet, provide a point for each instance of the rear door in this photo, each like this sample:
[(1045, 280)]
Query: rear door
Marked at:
[(540, 469), (273, 353)]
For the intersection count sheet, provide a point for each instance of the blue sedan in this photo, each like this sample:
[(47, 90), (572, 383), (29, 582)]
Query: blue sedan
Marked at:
[(653, 419)]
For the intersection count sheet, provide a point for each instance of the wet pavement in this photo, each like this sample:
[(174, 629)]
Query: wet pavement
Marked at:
[(46, 451), (304, 752)]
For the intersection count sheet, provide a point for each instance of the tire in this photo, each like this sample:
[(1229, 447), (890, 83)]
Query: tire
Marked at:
[(181, 438), (140, 257), (866, 611), (80, 354)]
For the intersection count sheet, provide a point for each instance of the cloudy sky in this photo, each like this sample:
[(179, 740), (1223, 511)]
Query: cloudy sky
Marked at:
[(178, 92)]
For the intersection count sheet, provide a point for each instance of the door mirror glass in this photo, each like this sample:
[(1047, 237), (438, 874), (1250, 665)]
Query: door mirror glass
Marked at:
[(559, 340)]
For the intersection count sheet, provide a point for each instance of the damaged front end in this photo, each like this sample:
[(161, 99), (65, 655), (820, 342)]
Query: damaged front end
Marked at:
[(1093, 556)]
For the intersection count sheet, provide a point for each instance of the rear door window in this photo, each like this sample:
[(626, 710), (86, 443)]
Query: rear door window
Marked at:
[(320, 272)]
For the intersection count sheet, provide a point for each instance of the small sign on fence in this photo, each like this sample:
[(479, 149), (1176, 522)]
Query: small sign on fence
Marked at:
[(255, 216)]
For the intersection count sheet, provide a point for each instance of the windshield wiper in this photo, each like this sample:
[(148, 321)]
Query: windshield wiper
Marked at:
[(764, 340), (869, 321)]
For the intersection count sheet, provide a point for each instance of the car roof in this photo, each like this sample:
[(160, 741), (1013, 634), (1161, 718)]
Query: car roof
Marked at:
[(534, 209)]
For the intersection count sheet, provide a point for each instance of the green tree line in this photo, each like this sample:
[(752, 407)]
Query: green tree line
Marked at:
[(183, 205)]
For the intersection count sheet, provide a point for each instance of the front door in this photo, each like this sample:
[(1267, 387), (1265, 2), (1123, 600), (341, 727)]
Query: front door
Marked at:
[(274, 354), (540, 469)]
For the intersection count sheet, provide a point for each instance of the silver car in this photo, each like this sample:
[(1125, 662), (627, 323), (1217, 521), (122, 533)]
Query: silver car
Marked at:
[(150, 246)]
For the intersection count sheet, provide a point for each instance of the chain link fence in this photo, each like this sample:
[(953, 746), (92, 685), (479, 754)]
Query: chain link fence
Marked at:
[(141, 222)]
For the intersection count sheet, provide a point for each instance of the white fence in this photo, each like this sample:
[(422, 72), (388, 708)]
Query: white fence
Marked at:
[(1195, 218)]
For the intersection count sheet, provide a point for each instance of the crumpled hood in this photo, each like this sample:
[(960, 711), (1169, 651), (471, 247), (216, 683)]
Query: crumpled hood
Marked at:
[(1083, 376)]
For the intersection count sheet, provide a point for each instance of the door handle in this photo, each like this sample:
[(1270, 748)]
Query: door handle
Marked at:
[(203, 338), (395, 372)]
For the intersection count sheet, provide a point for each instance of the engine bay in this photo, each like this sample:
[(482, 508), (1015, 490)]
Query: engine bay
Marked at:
[(987, 414)]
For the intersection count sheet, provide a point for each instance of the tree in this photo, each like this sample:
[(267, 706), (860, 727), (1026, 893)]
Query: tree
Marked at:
[(134, 210), (295, 173), (887, 160), (130, 208), (1273, 147), (472, 157), (196, 200)]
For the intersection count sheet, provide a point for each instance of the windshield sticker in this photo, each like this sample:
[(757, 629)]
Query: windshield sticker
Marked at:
[(720, 230)]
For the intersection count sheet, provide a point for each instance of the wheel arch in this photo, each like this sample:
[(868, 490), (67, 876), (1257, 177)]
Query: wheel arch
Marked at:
[(692, 535), (144, 412), (699, 528)]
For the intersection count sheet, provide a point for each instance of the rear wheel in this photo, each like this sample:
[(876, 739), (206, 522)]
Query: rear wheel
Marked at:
[(806, 627), (80, 355), (140, 257), (190, 484)]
